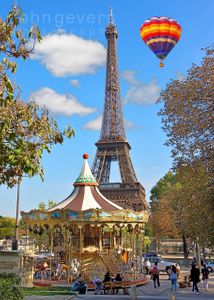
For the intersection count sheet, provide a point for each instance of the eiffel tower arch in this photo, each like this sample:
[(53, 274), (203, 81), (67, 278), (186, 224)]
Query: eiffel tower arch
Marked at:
[(112, 144)]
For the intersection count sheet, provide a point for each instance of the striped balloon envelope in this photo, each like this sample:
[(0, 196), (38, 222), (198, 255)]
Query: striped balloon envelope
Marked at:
[(160, 34)]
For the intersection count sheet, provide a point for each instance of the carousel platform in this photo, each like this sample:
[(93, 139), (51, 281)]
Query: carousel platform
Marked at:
[(132, 280)]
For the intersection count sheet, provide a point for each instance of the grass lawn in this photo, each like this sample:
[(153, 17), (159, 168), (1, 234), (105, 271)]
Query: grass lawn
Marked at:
[(48, 291)]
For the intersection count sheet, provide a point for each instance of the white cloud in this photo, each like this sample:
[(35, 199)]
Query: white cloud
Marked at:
[(97, 123), (75, 83), (65, 104), (67, 54), (129, 76), (129, 124), (180, 76), (94, 124), (138, 92)]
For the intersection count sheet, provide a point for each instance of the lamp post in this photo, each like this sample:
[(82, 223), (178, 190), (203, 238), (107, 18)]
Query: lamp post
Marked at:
[(15, 241)]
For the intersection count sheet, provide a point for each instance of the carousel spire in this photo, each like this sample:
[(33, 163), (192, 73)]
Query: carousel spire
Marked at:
[(86, 177), (86, 194)]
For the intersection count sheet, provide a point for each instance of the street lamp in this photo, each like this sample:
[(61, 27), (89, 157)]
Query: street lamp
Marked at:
[(15, 240)]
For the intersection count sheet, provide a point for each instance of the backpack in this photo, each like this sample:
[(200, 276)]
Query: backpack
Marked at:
[(155, 270)]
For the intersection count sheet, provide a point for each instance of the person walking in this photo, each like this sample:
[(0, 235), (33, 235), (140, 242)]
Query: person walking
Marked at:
[(155, 275), (147, 266), (194, 261), (195, 278), (205, 276), (173, 278)]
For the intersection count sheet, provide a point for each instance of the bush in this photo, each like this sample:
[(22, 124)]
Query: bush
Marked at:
[(10, 288)]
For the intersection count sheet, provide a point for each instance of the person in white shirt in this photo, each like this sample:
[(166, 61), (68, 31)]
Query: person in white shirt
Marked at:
[(147, 266)]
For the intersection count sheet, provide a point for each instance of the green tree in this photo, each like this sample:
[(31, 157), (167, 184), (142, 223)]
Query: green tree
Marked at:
[(6, 227), (10, 287), (26, 131), (187, 116), (163, 220), (163, 185), (43, 206), (192, 201), (51, 203)]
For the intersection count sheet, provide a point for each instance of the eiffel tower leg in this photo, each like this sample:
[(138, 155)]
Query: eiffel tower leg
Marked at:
[(126, 168), (101, 168)]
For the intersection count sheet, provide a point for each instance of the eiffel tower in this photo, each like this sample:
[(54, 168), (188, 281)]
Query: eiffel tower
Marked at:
[(112, 145)]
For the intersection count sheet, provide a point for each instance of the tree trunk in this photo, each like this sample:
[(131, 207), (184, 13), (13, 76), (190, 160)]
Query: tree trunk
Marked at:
[(198, 254), (204, 255), (185, 250)]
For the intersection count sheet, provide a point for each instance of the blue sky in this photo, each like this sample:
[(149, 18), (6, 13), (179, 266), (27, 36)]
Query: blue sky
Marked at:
[(67, 73)]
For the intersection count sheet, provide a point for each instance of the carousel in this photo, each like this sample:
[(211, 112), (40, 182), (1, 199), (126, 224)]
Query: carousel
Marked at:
[(87, 233)]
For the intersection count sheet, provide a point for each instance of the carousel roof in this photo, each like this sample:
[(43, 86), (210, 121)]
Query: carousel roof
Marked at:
[(86, 194)]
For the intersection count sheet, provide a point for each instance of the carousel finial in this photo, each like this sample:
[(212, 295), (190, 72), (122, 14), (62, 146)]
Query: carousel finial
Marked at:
[(85, 156)]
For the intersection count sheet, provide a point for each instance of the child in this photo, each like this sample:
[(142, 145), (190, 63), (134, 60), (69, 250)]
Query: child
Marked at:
[(155, 275), (173, 278)]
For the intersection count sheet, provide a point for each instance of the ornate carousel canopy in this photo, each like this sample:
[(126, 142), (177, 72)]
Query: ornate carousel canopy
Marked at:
[(85, 204), (86, 194)]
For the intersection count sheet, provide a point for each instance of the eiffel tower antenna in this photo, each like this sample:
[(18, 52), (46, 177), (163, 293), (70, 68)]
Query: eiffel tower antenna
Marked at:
[(112, 145), (110, 15)]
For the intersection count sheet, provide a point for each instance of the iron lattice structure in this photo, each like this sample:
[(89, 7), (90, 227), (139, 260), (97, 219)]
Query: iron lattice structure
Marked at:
[(112, 145)]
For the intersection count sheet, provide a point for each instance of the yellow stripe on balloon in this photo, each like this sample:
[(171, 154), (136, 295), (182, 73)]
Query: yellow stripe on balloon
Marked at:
[(158, 29), (156, 32), (170, 27), (161, 40)]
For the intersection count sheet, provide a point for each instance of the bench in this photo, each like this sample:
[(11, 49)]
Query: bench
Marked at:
[(112, 287)]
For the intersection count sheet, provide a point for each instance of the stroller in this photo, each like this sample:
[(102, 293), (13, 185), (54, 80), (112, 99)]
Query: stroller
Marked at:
[(98, 287)]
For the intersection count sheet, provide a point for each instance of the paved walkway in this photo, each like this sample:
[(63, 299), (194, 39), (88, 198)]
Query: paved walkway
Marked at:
[(164, 291), (145, 292), (148, 292)]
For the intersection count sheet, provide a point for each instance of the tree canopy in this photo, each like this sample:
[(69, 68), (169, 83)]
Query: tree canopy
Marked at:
[(162, 186), (26, 130), (7, 225), (187, 116), (163, 219), (43, 206)]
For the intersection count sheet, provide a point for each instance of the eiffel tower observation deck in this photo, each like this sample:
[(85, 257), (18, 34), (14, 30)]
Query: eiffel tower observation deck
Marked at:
[(112, 145)]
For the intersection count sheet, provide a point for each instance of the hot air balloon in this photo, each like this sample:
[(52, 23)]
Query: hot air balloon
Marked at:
[(160, 34)]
